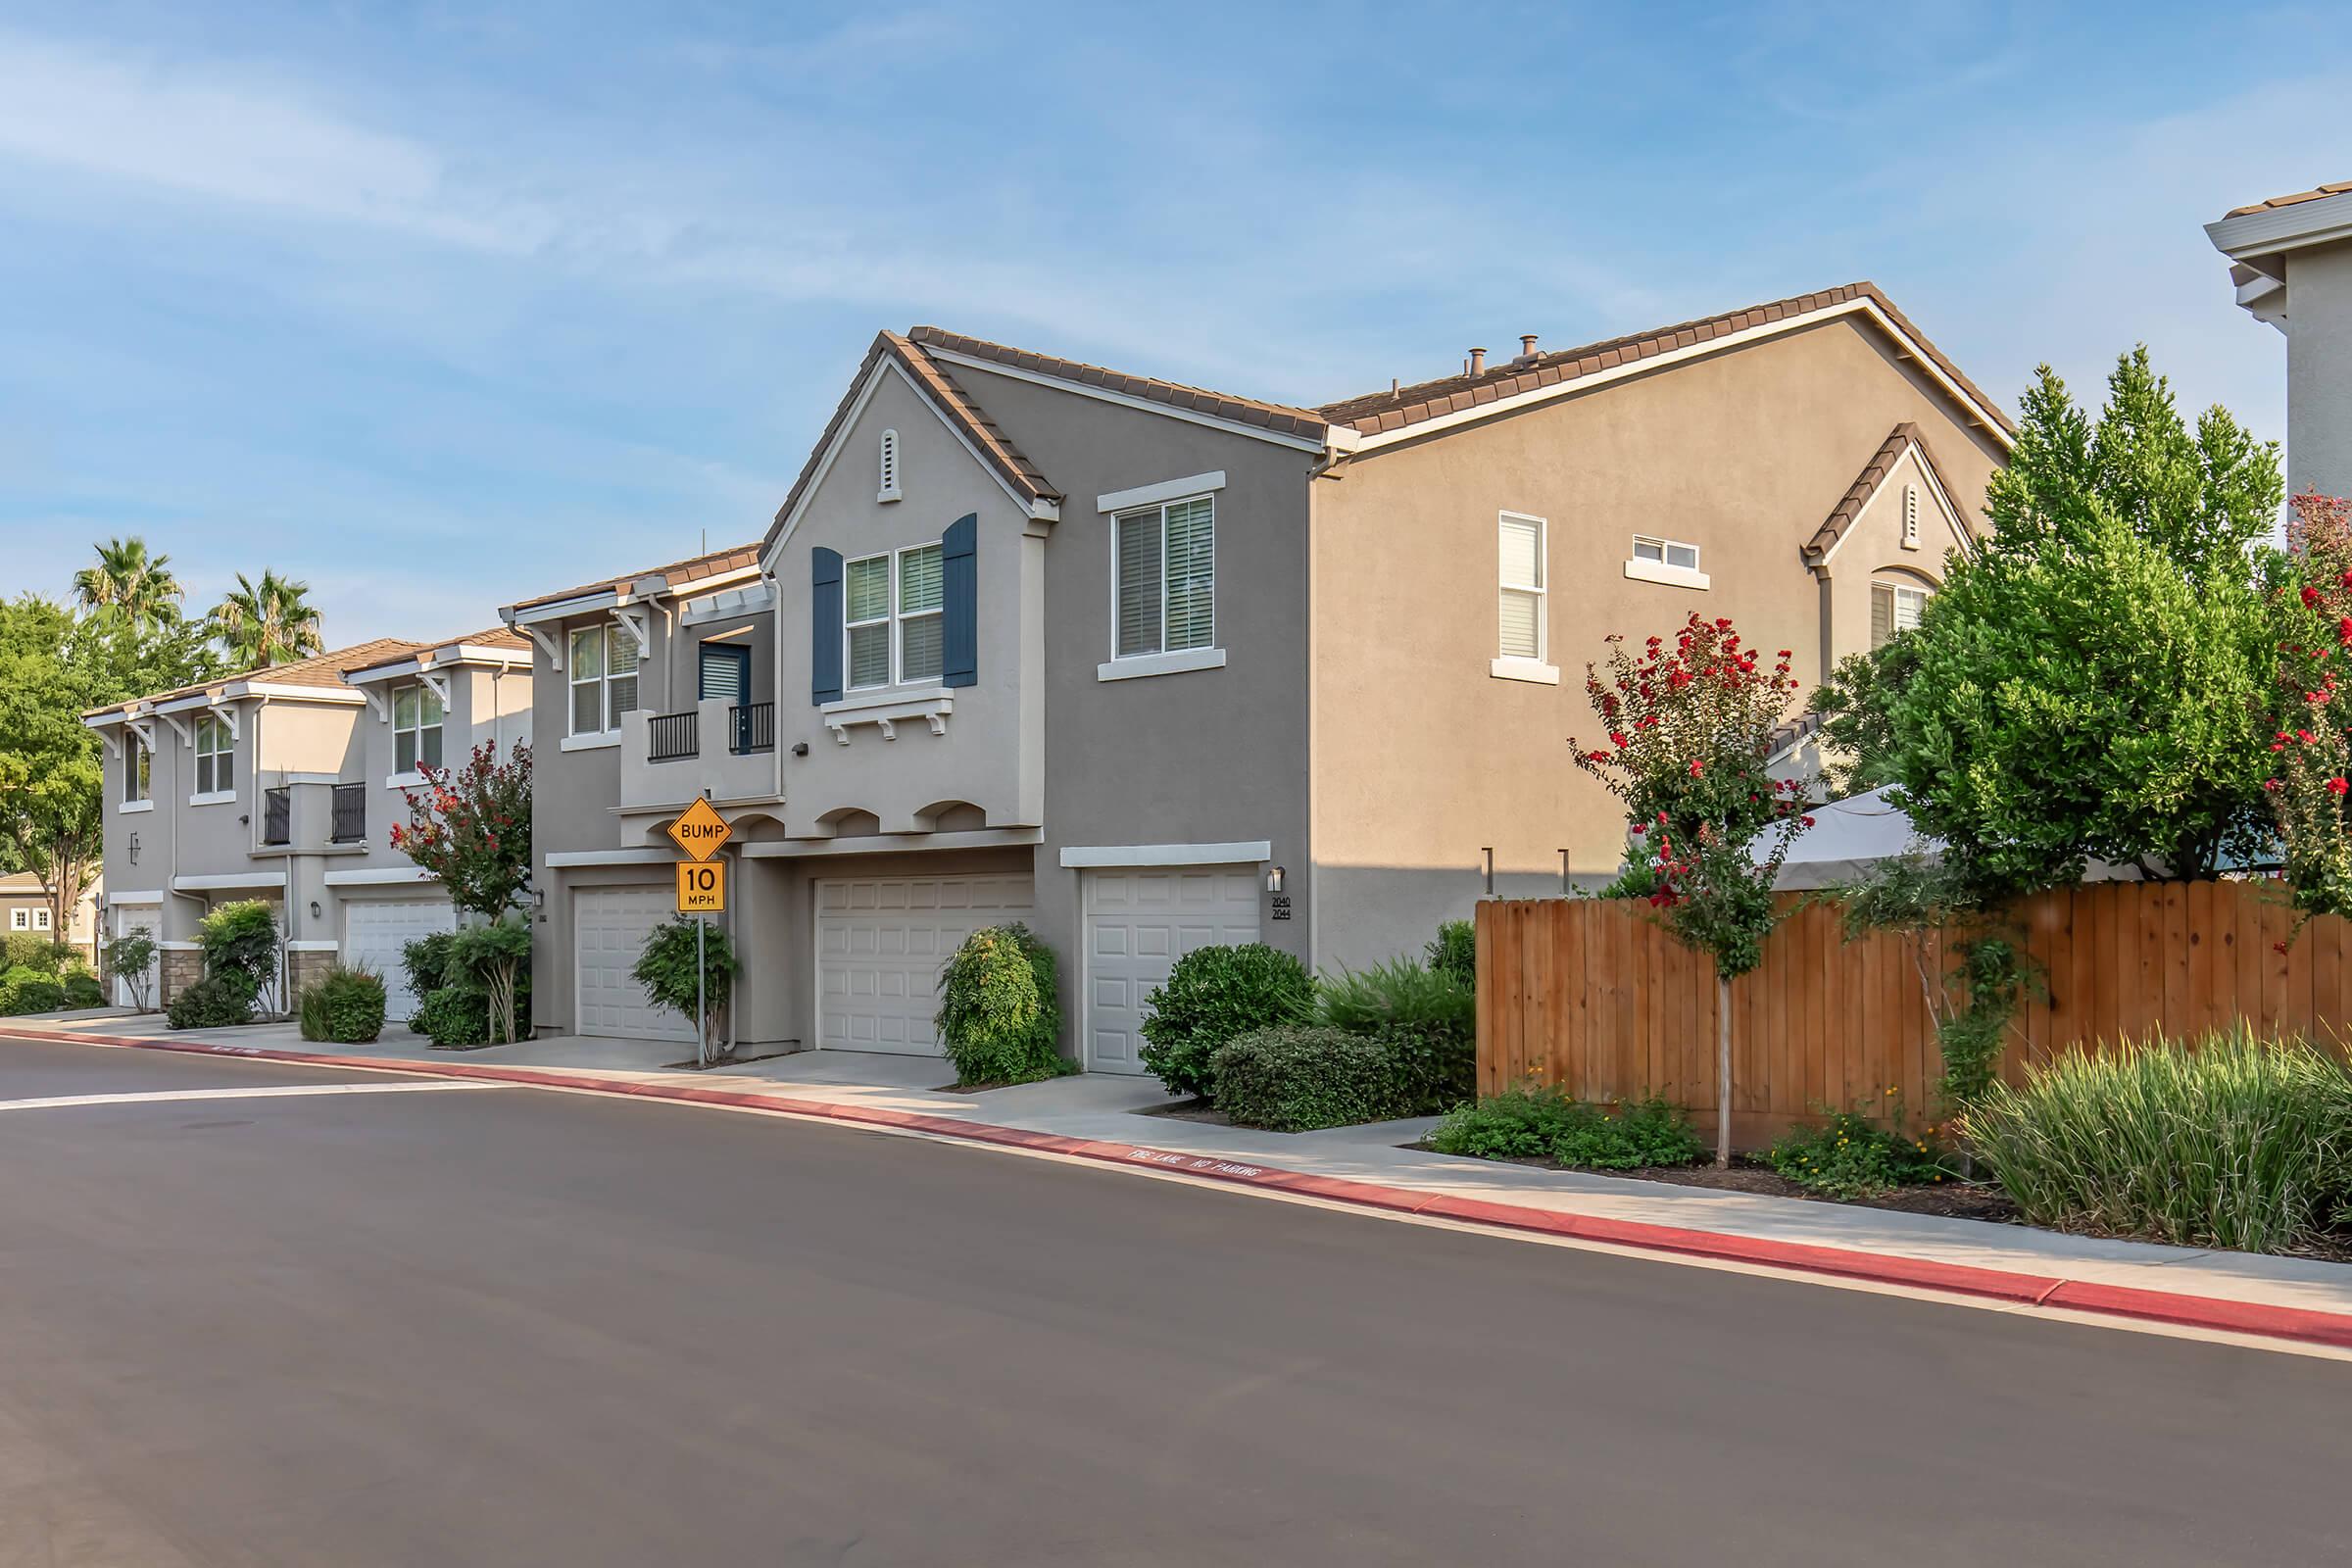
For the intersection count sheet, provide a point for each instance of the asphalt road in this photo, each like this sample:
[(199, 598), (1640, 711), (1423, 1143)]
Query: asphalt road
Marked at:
[(506, 1327)]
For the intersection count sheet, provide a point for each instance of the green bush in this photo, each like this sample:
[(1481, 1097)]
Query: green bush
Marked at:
[(83, 991), (1854, 1155), (429, 961), (1294, 1078), (1212, 996), (999, 1013), (31, 950), (345, 1005), (667, 970), (1546, 1123), (1425, 1016), (131, 958), (1455, 951), (24, 989), (214, 1002), (495, 958), (453, 1016), (240, 939), (2241, 1142)]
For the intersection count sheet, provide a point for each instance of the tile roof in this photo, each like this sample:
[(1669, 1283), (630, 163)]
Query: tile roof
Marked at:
[(2322, 193), (1282, 418), (677, 574), (1903, 438), (323, 670), (1394, 410), (496, 637)]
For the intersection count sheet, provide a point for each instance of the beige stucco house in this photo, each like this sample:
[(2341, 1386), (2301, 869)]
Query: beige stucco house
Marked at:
[(282, 784), (1148, 666), (24, 911), (2291, 264)]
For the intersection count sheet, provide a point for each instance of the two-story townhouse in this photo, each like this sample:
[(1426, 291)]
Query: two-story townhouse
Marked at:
[(2291, 265), (1148, 667), (280, 784)]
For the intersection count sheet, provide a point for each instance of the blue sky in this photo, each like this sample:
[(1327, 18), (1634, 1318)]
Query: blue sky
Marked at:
[(439, 306)]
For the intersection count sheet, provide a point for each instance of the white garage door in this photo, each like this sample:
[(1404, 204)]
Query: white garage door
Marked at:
[(1138, 925), (609, 926), (880, 943), (130, 917), (375, 933)]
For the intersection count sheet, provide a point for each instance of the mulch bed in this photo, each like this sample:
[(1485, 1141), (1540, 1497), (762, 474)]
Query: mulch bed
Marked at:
[(1197, 1108), (1954, 1200), (721, 1063)]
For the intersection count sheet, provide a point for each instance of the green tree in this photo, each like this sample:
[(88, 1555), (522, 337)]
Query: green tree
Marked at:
[(130, 584), (470, 828), (268, 622), (2309, 771)]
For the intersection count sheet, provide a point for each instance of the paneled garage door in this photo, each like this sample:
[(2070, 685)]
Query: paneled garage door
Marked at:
[(608, 928), (1138, 923), (374, 933), (880, 943)]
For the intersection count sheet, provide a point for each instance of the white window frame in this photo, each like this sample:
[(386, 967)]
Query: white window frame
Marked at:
[(19, 919), (1518, 666), (138, 774), (40, 919), (206, 784), (602, 681), (415, 732), (1661, 567), (886, 479), (894, 617), (1164, 658), (1894, 619)]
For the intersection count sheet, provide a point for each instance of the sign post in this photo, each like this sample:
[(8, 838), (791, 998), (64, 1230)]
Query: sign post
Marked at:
[(701, 832)]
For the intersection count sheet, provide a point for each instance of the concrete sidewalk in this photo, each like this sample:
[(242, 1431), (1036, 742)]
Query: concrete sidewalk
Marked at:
[(1111, 1109)]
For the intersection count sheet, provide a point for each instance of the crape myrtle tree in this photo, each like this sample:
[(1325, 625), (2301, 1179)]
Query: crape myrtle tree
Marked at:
[(469, 828), (1689, 739), (2308, 756)]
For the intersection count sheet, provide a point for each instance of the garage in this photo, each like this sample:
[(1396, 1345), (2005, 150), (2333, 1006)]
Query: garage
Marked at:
[(610, 927), (374, 933), (880, 945), (146, 920), (1138, 921)]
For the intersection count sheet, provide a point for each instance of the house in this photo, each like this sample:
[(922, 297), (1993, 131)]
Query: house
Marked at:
[(24, 909), (1148, 666), (2291, 264), (282, 784)]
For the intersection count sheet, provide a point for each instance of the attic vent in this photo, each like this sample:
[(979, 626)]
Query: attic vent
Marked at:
[(888, 489), (1910, 517)]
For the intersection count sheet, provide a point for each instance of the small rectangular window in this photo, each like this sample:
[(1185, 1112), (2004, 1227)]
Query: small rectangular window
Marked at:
[(137, 768), (1666, 553), (215, 756), (1521, 586), (40, 919), (19, 919), (1894, 607), (1164, 578)]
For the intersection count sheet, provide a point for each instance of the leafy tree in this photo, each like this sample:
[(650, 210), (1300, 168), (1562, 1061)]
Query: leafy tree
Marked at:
[(668, 971), (493, 956), (268, 622), (470, 828), (130, 584), (1689, 742), (999, 1014)]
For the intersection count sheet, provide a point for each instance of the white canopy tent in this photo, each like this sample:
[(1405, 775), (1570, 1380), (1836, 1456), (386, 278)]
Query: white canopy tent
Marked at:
[(1846, 837)]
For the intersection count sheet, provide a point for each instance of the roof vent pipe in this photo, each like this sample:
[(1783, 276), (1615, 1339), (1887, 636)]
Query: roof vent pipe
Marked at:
[(1527, 345), (1478, 361)]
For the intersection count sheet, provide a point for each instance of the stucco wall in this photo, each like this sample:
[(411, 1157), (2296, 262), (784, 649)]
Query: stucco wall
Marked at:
[(2319, 371)]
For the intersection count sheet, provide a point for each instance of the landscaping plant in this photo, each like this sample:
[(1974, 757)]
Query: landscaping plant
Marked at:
[(241, 963), (1424, 1016), (666, 971), (2311, 751), (24, 990), (1854, 1154), (1294, 1078), (494, 956), (470, 828), (345, 1005), (454, 1017), (999, 1016), (1546, 1123), (1213, 994), (212, 1002), (29, 950), (1455, 951), (82, 990), (430, 964), (2239, 1141), (1690, 739), (130, 958)]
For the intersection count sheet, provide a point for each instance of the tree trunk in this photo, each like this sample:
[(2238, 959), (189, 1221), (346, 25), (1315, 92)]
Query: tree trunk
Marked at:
[(1723, 1073)]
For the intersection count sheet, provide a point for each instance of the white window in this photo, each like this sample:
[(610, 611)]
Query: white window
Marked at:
[(40, 919), (137, 767), (892, 615), (1522, 587), (604, 678), (1666, 553), (888, 489), (1895, 607), (1163, 574), (19, 919), (415, 728), (215, 756)]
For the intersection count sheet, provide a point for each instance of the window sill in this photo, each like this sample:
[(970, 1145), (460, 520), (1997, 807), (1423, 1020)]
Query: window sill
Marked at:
[(1136, 665), (589, 743), (217, 798), (886, 708), (1671, 576), (1526, 670), (128, 808), (405, 781)]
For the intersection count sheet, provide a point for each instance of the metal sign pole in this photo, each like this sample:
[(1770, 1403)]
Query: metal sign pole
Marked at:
[(702, 1013)]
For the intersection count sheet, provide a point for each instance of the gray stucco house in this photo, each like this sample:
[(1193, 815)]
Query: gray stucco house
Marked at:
[(2291, 265)]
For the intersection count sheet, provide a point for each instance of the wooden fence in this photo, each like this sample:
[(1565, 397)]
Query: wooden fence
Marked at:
[(1595, 996)]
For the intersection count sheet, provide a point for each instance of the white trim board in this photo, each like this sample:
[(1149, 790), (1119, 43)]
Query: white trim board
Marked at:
[(1144, 495), (985, 838), (376, 877), (143, 897), (1239, 853), (644, 856), (314, 947), (222, 880)]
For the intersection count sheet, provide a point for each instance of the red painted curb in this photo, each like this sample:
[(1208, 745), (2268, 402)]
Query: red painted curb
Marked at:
[(2300, 1324)]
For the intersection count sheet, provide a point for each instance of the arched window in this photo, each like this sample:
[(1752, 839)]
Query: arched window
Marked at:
[(888, 489)]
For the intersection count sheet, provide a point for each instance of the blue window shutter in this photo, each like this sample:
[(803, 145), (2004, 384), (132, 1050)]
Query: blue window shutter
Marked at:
[(824, 625), (959, 635)]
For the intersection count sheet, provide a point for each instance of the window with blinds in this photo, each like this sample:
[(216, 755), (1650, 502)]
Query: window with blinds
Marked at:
[(894, 616), (604, 678), (921, 598), (865, 609), (1522, 587), (1164, 575), (1894, 607)]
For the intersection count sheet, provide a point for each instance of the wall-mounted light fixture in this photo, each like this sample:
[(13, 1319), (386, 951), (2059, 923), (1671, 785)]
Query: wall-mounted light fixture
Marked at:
[(799, 748), (1488, 853), (313, 908), (1274, 879), (134, 848)]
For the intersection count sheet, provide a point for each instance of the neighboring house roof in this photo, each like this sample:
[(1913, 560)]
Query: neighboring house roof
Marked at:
[(671, 578), (1904, 437), (498, 639), (324, 671), (1381, 412), (2272, 204)]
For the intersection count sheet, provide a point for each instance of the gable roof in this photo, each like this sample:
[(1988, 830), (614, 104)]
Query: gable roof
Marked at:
[(1377, 413), (674, 576), (1281, 417), (504, 639), (324, 671), (1904, 437)]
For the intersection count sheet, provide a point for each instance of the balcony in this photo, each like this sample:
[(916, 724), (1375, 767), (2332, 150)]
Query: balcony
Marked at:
[(751, 729), (673, 737), (665, 760), (277, 816), (348, 815)]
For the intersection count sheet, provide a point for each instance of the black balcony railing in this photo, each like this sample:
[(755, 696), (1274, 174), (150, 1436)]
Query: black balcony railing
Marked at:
[(278, 815), (672, 737), (752, 727), (349, 813)]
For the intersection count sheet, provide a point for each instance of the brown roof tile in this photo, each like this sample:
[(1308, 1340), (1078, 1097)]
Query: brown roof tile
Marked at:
[(677, 574), (325, 670), (1903, 438), (496, 637), (2319, 193)]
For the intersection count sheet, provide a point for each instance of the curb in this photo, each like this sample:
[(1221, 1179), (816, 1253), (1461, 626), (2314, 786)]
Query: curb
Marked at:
[(2301, 1325)]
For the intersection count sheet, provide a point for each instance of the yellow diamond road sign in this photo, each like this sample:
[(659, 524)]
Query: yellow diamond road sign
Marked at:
[(700, 830)]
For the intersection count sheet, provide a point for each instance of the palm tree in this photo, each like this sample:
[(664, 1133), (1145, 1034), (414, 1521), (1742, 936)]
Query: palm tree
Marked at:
[(267, 623), (130, 583)]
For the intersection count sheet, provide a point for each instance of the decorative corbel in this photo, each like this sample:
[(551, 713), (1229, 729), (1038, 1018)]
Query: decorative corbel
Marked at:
[(551, 646), (634, 620), (438, 685)]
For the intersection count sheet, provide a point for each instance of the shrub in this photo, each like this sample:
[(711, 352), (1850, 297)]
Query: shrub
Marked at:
[(453, 1016), (1424, 1016), (492, 958), (240, 948), (1854, 1155), (84, 991), (2241, 1142), (29, 950), (24, 989), (1541, 1123), (667, 970), (345, 1005), (1455, 951), (1294, 1078), (427, 961), (214, 1002), (999, 1014), (131, 958), (1212, 996)]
